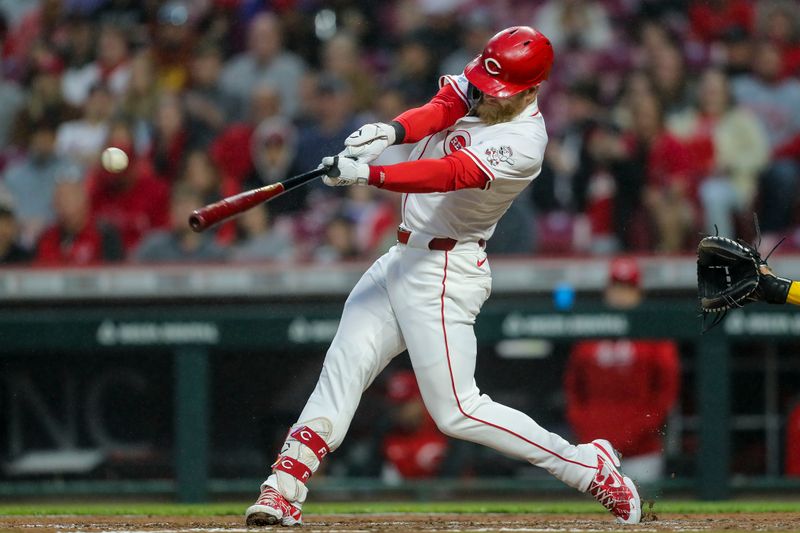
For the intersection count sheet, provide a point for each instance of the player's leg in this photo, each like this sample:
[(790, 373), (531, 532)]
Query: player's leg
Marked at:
[(444, 293), (367, 338)]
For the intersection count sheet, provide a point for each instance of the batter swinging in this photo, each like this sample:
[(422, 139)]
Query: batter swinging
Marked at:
[(480, 142)]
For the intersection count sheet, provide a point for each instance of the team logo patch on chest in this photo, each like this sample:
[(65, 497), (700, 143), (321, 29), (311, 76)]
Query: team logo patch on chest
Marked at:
[(503, 154), (455, 141)]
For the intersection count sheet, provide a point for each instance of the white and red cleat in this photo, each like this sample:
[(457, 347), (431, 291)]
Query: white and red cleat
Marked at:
[(614, 491), (272, 508)]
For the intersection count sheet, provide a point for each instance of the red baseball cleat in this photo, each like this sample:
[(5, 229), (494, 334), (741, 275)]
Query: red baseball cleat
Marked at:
[(272, 508), (614, 491)]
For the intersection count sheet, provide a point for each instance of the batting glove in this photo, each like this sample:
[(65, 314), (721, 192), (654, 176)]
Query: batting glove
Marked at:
[(345, 171), (369, 141)]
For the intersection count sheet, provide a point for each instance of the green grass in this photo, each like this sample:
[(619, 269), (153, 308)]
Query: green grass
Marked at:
[(224, 509)]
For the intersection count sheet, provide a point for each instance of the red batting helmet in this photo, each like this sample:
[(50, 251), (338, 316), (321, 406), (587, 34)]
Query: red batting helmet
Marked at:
[(513, 60)]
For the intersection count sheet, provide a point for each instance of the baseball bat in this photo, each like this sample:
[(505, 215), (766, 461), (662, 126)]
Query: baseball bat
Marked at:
[(207, 216)]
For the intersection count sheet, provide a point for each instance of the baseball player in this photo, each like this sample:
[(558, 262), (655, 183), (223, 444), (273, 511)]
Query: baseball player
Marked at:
[(479, 142)]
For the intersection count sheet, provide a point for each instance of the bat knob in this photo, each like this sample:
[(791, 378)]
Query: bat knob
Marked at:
[(196, 222)]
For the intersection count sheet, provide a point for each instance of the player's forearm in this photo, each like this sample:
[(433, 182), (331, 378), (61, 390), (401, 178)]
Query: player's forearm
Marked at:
[(794, 294), (441, 112), (450, 173)]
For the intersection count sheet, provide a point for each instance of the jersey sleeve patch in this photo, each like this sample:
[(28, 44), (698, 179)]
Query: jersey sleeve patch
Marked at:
[(458, 83), (510, 157)]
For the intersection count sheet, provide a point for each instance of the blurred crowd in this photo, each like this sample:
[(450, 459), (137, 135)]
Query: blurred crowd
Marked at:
[(666, 118)]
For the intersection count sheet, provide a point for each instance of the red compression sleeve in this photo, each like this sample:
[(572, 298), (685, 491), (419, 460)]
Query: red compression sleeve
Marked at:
[(441, 112), (450, 173)]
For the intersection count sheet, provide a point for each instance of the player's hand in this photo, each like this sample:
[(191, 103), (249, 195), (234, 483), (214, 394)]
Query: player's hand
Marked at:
[(345, 171), (369, 141)]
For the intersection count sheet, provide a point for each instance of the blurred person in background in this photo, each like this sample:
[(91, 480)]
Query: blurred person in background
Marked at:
[(478, 28), (667, 70), (711, 20), (668, 191), (43, 25), (792, 460), (581, 24), (274, 148), (76, 239), (208, 107), (624, 388), (779, 23), (201, 175), (172, 137), (728, 149), (264, 62), (13, 97), (173, 41), (78, 54), (335, 120), (179, 244), (259, 240), (374, 214), (141, 98), (413, 448), (83, 139), (414, 69), (134, 201), (10, 250), (775, 100), (230, 150), (339, 242), (342, 58), (43, 99), (111, 68), (31, 181)]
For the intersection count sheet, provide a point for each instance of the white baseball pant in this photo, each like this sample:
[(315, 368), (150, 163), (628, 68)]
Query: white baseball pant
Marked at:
[(427, 301)]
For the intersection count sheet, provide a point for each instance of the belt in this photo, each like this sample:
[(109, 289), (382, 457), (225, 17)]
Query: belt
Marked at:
[(444, 244)]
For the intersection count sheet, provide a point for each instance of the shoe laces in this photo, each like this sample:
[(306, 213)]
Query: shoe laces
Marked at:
[(272, 497)]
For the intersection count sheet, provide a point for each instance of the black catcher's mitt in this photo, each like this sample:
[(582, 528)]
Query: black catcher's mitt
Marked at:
[(731, 274)]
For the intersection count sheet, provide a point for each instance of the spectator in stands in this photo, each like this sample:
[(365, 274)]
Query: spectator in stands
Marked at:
[(112, 68), (414, 69), (10, 250), (133, 201), (627, 387), (76, 239), (667, 70), (776, 101), (173, 42), (83, 139), (668, 192), (793, 442), (728, 149), (478, 29), (374, 214), (141, 98), (78, 54), (171, 138), (339, 242), (264, 62), (260, 240), (779, 22), (13, 97), (413, 448), (43, 100), (274, 147), (31, 181), (575, 24), (334, 122), (201, 175), (179, 243), (342, 58), (711, 20), (208, 107)]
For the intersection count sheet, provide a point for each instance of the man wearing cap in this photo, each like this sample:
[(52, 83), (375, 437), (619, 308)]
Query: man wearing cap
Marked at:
[(479, 143), (624, 389)]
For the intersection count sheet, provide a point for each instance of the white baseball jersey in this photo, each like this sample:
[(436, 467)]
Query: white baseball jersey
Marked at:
[(510, 154)]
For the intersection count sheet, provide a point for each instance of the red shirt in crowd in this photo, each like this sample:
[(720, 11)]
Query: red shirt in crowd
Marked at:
[(622, 390), (416, 454), (793, 443), (85, 248), (710, 21), (134, 208)]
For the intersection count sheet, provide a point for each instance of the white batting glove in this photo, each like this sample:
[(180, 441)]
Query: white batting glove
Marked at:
[(369, 141), (345, 171)]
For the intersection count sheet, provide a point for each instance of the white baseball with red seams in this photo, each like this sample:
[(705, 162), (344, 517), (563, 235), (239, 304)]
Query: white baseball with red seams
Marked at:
[(425, 293)]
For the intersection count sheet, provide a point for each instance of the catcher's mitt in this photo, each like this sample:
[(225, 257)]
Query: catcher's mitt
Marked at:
[(731, 274)]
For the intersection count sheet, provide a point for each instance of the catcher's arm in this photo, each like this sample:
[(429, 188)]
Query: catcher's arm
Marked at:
[(777, 290)]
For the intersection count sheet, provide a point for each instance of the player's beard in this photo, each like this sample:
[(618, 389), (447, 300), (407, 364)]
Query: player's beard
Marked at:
[(493, 111)]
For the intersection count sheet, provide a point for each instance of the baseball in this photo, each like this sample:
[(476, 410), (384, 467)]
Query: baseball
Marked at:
[(114, 160)]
